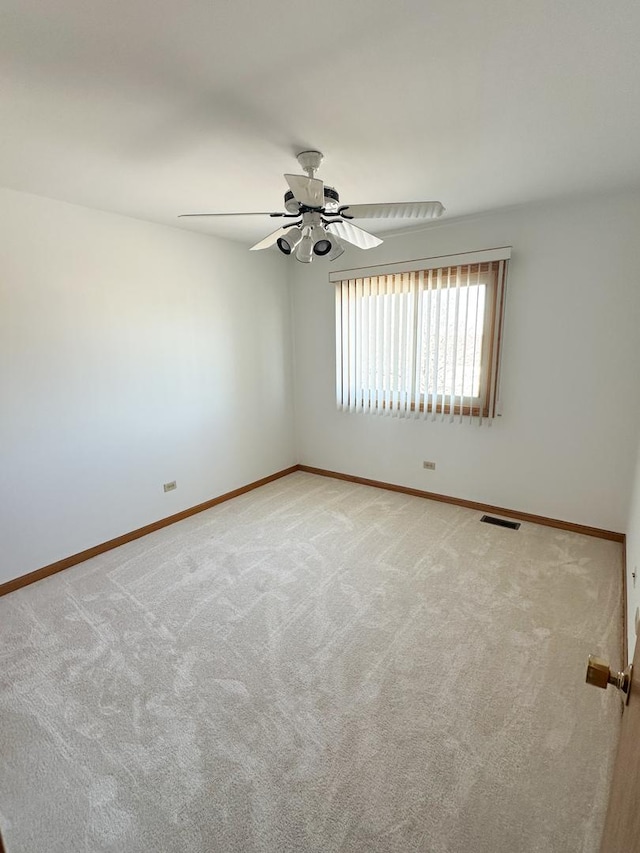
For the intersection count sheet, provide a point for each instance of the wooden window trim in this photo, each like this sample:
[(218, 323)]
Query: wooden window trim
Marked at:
[(491, 275)]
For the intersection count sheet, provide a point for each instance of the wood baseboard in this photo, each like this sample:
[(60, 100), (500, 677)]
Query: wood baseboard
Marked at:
[(497, 510), (74, 559)]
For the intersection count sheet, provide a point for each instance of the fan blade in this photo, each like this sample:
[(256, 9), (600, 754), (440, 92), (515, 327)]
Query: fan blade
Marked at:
[(353, 234), (263, 213), (308, 191), (270, 239), (394, 210)]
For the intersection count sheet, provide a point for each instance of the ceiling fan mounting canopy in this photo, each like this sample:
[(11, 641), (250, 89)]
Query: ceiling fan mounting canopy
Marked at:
[(310, 161), (322, 225)]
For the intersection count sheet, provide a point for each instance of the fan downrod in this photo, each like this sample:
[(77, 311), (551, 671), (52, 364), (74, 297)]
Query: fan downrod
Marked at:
[(310, 161)]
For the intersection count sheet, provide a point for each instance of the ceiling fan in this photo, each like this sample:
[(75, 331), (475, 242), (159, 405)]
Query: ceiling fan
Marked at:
[(321, 225)]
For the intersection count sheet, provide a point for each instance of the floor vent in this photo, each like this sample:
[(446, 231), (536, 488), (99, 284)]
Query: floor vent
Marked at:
[(501, 522)]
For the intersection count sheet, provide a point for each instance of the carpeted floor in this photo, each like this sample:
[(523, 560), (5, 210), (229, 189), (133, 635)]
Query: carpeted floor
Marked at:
[(315, 666)]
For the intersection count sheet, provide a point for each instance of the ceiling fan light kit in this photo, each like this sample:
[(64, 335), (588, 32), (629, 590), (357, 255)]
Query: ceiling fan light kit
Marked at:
[(304, 252), (322, 225), (289, 241), (338, 249)]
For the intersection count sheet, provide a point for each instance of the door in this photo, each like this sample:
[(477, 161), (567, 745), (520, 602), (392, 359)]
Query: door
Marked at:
[(622, 826)]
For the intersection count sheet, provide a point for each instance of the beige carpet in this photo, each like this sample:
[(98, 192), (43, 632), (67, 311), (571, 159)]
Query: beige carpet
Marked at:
[(316, 667)]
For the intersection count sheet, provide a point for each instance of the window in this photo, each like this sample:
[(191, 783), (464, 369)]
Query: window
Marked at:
[(422, 337)]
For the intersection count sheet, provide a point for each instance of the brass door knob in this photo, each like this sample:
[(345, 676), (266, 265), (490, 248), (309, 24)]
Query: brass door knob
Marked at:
[(599, 674)]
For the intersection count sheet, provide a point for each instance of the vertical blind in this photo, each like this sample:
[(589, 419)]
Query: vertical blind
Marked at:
[(422, 342)]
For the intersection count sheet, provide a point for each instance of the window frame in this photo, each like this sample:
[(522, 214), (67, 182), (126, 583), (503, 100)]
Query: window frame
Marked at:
[(488, 268)]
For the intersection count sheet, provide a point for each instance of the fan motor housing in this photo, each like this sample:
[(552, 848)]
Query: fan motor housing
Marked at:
[(331, 200)]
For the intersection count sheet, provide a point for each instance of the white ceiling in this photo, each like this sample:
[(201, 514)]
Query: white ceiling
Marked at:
[(152, 108)]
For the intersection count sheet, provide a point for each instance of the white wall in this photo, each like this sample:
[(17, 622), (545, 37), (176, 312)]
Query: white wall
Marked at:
[(565, 445), (131, 354), (633, 559)]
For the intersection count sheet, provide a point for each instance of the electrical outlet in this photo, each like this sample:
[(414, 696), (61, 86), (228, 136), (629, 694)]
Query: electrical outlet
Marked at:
[(169, 487), (430, 465)]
